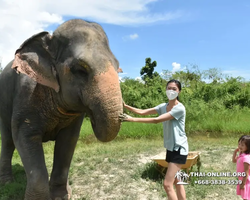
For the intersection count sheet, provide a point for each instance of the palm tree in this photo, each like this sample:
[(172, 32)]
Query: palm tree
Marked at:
[(178, 175), (181, 176), (185, 176)]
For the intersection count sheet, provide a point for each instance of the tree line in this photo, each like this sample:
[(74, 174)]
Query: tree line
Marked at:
[(210, 86), (211, 98)]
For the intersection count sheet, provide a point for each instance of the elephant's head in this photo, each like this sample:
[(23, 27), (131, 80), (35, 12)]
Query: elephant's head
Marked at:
[(77, 63)]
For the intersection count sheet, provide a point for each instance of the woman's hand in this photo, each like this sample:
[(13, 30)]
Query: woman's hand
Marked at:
[(125, 118), (124, 104)]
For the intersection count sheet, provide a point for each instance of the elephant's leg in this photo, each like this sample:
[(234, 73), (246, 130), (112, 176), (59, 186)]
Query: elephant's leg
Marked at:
[(7, 150), (29, 145), (64, 148)]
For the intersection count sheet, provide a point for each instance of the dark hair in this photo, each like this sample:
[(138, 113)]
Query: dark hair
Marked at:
[(246, 140), (241, 138), (177, 83)]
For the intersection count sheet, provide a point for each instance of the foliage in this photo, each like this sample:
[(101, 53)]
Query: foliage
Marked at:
[(187, 78), (1, 68), (212, 99), (138, 94), (147, 72)]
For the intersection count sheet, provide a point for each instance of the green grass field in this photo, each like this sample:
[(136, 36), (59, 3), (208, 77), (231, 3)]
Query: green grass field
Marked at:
[(123, 169), (210, 123)]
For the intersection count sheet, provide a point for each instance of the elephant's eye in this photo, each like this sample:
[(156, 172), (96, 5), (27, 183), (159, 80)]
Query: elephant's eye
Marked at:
[(80, 68), (84, 66)]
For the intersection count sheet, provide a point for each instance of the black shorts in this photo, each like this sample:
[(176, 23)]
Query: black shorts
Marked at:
[(175, 157)]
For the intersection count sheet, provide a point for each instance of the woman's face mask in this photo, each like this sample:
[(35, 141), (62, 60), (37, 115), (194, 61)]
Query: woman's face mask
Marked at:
[(171, 94)]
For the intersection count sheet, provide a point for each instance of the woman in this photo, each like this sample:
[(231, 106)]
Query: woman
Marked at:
[(172, 114)]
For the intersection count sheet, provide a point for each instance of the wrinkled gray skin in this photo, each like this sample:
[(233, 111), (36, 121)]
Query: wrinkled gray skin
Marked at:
[(45, 93)]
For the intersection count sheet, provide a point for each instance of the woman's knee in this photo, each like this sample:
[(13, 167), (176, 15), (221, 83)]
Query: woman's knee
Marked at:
[(168, 186)]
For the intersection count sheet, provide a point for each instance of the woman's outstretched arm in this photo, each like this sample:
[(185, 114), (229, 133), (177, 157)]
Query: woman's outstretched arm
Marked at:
[(149, 111), (161, 118)]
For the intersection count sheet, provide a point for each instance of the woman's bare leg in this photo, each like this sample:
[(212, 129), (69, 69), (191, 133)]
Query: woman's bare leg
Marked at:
[(180, 190), (169, 180)]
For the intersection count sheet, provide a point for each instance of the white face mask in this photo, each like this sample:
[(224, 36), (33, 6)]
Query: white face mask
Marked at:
[(171, 94)]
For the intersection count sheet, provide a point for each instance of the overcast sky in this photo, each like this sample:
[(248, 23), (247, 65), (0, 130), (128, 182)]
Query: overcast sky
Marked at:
[(207, 33)]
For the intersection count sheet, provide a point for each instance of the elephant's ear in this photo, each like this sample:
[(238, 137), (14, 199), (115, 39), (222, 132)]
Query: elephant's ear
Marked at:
[(34, 59), (119, 70)]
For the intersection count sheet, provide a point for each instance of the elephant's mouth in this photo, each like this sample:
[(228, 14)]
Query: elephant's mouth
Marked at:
[(106, 128)]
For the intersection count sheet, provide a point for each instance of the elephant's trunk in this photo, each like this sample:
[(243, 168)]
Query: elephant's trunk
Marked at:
[(106, 105)]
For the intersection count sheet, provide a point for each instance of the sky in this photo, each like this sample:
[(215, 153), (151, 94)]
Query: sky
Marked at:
[(174, 33)]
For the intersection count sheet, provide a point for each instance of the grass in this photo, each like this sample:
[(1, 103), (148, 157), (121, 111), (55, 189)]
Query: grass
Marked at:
[(220, 122), (128, 130), (122, 169), (211, 123)]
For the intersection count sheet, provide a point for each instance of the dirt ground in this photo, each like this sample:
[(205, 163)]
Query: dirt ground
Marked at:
[(120, 182), (116, 184), (124, 170)]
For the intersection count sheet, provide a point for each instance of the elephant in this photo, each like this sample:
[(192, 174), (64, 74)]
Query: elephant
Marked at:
[(51, 84)]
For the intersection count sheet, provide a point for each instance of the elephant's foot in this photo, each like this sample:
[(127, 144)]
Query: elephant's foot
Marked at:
[(60, 192), (66, 197), (37, 193)]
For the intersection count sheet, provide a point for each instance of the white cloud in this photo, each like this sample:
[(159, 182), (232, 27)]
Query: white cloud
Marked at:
[(176, 67), (22, 19), (139, 79), (19, 21), (133, 36), (121, 79), (110, 11), (130, 37)]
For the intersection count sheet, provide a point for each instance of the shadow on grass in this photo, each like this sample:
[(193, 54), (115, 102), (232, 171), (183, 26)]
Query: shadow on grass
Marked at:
[(16, 189), (153, 172)]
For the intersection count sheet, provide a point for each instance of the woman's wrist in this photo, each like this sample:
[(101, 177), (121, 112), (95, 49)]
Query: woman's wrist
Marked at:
[(131, 119), (125, 105), (130, 108)]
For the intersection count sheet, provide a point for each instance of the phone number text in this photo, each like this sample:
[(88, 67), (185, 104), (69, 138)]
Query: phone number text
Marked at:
[(218, 182)]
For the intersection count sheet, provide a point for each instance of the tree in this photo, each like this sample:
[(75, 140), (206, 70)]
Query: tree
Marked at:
[(147, 72), (188, 77), (214, 74), (1, 69)]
